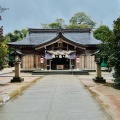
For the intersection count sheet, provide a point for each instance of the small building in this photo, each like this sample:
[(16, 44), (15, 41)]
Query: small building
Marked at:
[(57, 49)]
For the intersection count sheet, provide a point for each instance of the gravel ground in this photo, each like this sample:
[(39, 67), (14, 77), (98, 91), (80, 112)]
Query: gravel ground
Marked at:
[(105, 94)]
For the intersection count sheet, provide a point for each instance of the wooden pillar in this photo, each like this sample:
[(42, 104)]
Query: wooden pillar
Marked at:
[(70, 64), (85, 62), (42, 66), (50, 64), (21, 61), (52, 46), (67, 47), (78, 62), (34, 59), (45, 64), (75, 67), (75, 64)]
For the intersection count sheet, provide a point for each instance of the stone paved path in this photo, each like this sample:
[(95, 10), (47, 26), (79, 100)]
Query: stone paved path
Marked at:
[(54, 97)]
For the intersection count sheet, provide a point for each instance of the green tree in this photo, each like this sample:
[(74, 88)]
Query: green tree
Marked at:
[(3, 46), (102, 33), (24, 32), (111, 50), (75, 26), (78, 20), (16, 36), (82, 20), (3, 52), (114, 49), (58, 23), (13, 37)]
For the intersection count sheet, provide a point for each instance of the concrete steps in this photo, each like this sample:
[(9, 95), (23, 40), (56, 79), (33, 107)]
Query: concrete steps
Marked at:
[(67, 72)]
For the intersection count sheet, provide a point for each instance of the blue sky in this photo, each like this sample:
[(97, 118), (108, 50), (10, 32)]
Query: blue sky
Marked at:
[(30, 13)]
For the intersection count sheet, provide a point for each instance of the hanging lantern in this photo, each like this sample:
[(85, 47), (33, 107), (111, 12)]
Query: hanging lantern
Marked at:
[(53, 56), (103, 64), (66, 56), (60, 56)]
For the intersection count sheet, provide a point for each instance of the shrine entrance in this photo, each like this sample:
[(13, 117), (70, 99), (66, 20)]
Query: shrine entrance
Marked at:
[(60, 64)]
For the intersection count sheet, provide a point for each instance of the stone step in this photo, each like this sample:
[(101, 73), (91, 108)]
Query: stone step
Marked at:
[(51, 72)]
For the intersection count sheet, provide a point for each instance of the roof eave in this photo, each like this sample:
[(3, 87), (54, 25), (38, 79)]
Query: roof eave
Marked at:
[(72, 41)]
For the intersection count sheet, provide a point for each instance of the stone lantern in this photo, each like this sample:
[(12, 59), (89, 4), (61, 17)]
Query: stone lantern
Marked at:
[(17, 55), (98, 77)]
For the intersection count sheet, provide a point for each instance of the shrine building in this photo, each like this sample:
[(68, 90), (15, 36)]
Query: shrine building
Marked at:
[(57, 49)]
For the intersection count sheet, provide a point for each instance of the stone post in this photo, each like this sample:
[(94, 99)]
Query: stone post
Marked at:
[(98, 70), (17, 69), (17, 77), (99, 77), (17, 55)]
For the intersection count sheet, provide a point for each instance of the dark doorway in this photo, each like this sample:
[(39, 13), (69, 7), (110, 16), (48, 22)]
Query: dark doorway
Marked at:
[(60, 64)]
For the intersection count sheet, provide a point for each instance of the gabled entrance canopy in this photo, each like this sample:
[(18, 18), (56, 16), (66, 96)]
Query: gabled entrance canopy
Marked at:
[(61, 39)]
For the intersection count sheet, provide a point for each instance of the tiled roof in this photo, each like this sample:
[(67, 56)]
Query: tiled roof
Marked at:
[(82, 38), (35, 39), (40, 36)]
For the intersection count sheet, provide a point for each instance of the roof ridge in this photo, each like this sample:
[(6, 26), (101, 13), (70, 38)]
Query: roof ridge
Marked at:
[(35, 30)]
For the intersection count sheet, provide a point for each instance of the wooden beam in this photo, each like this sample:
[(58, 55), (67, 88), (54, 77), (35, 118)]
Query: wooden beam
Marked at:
[(42, 46)]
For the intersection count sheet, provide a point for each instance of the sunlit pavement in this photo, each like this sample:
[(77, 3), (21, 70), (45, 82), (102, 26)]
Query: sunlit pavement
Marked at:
[(8, 90), (54, 97)]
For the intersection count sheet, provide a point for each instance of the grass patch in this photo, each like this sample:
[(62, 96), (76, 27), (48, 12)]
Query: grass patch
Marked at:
[(116, 86)]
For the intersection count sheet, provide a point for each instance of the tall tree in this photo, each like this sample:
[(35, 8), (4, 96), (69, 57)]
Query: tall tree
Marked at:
[(102, 33), (111, 50), (78, 20), (13, 37), (3, 50), (16, 36), (24, 32), (114, 48), (75, 26), (58, 23), (82, 19), (3, 46)]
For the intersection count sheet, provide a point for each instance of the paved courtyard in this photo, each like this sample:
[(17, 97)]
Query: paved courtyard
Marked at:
[(53, 97)]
